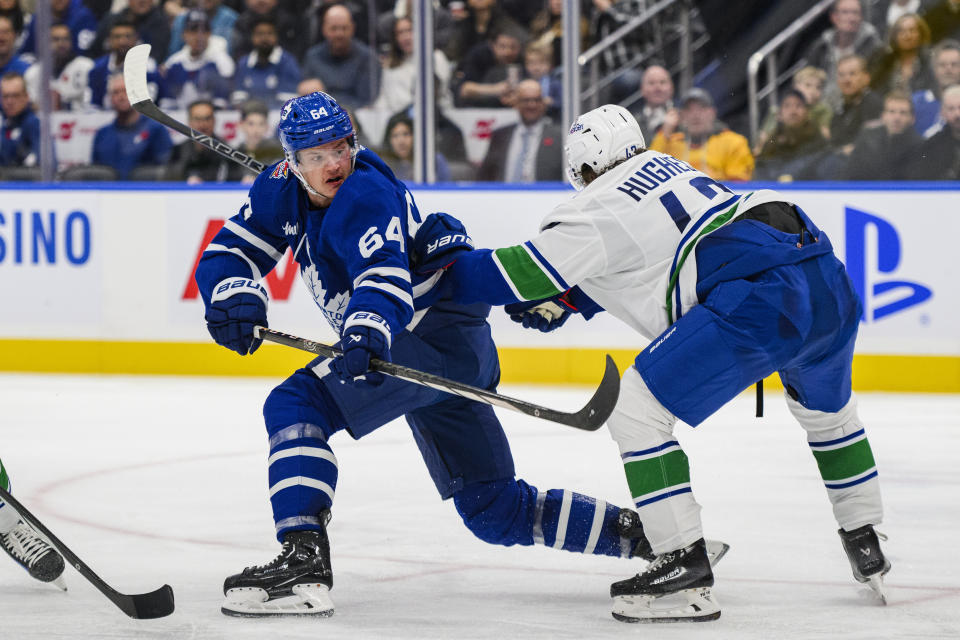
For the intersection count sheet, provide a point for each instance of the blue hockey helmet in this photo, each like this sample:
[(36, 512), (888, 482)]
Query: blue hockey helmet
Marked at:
[(310, 121)]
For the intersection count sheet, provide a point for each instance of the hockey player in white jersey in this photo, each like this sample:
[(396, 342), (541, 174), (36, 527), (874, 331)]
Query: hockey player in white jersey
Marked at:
[(729, 289), (24, 544)]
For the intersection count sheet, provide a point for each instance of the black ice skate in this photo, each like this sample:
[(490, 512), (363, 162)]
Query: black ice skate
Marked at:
[(630, 528), (33, 553), (297, 582), (674, 588), (866, 558)]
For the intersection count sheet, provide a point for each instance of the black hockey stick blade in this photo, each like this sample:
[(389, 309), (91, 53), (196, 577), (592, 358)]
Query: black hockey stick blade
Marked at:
[(143, 606), (135, 80), (589, 418)]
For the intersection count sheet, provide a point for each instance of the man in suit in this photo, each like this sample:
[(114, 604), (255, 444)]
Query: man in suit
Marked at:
[(530, 150)]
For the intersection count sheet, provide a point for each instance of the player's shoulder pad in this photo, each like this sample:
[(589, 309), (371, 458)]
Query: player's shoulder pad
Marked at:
[(273, 192)]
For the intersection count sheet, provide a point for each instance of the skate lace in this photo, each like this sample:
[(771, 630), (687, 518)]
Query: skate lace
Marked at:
[(658, 562), (24, 544), (276, 561)]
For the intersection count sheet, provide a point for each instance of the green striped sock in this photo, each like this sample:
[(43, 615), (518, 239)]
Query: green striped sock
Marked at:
[(4, 480), (656, 474)]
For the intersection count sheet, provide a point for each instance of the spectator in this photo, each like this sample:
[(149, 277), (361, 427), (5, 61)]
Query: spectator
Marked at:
[(850, 35), (222, 20), (489, 73), (398, 82), (268, 73), (883, 13), (619, 60), (310, 85), (795, 143), (193, 162), (254, 127), (938, 157), (885, 152), (131, 140), (693, 134), (397, 149), (20, 135), (69, 79), (944, 20), (290, 28), (809, 81), (860, 104), (357, 9), (481, 22), (13, 10), (78, 18), (122, 38), (946, 72), (538, 65), (202, 69), (450, 140), (150, 22), (530, 150), (9, 61), (904, 65), (656, 98), (546, 29), (347, 66)]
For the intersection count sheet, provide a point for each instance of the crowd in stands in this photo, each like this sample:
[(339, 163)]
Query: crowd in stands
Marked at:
[(877, 97)]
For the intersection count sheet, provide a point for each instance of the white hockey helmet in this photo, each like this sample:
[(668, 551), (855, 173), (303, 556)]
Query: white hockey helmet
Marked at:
[(600, 139)]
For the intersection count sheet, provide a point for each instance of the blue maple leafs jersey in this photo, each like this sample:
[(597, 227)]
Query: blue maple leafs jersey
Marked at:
[(353, 255)]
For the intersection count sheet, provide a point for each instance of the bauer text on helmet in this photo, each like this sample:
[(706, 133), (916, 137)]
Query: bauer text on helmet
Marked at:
[(600, 139)]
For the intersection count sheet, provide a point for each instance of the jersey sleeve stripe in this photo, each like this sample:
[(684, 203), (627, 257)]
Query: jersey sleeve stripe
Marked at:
[(523, 274), (386, 272), (254, 271), (252, 239), (393, 290), (545, 264), (428, 284)]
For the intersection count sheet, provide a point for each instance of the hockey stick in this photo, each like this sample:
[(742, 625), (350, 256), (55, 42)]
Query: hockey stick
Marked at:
[(135, 79), (155, 604), (589, 418)]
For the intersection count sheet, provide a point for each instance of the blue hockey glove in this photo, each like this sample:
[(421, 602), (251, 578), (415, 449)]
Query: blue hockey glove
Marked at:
[(543, 315), (360, 344), (438, 242), (236, 307)]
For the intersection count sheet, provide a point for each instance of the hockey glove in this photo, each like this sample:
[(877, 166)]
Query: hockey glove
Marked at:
[(237, 306), (543, 315), (438, 242), (360, 344)]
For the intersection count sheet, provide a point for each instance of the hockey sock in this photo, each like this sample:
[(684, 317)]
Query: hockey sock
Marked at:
[(303, 477), (839, 444), (8, 517), (657, 469), (509, 512)]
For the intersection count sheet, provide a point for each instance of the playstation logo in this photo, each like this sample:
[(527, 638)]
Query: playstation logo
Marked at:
[(872, 251)]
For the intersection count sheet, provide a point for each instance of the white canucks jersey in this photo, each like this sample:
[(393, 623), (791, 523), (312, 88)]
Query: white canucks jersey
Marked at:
[(627, 239)]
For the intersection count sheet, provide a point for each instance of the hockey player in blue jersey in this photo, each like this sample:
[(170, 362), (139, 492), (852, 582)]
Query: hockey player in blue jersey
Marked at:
[(374, 267), (729, 289)]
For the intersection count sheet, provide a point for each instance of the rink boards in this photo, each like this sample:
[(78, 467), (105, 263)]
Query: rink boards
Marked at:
[(100, 280)]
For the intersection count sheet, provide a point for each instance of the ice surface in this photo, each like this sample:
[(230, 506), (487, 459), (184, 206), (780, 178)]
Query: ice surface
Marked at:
[(153, 480)]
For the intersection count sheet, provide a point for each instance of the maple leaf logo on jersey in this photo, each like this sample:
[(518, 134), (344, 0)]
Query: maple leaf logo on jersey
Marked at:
[(280, 171), (334, 308)]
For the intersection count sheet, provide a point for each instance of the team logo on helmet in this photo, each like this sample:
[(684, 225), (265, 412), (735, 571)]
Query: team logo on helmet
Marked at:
[(280, 171), (577, 126), (285, 111)]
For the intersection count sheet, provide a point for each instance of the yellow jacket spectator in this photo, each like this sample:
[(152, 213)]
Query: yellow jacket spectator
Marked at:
[(693, 134)]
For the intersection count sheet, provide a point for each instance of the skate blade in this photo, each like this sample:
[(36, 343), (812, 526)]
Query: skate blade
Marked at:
[(689, 605), (59, 582), (253, 602), (716, 550), (876, 585)]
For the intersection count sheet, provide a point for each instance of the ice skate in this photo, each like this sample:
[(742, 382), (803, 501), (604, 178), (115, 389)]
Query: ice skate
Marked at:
[(676, 587), (866, 558), (34, 554), (630, 527), (297, 582)]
